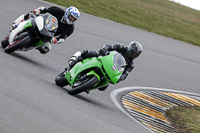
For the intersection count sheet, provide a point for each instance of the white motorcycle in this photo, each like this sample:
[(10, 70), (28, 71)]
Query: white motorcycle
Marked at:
[(31, 33)]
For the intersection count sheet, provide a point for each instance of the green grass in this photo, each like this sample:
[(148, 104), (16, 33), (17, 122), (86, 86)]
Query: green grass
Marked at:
[(157, 16), (185, 119)]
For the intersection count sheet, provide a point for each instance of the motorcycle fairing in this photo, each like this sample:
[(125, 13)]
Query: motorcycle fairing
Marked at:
[(21, 27)]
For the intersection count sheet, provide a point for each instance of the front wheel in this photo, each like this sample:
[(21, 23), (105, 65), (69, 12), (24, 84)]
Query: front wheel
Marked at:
[(18, 44), (88, 83), (60, 79)]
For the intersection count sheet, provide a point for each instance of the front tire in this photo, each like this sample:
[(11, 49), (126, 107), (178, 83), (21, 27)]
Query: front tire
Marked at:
[(60, 79), (18, 44), (91, 81)]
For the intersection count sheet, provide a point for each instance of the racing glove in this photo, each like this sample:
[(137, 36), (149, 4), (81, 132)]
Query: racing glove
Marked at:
[(38, 10), (74, 59), (107, 47), (54, 40), (104, 52)]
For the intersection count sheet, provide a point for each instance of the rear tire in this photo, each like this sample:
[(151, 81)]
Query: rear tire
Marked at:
[(4, 43), (84, 86), (60, 79), (21, 43)]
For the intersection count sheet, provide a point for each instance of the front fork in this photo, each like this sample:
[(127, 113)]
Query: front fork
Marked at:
[(20, 28), (92, 72)]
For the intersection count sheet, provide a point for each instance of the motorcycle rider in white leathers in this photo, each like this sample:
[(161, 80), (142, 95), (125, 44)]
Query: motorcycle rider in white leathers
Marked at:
[(65, 19)]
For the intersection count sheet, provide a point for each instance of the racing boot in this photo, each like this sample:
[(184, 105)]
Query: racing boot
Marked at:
[(74, 59), (44, 48)]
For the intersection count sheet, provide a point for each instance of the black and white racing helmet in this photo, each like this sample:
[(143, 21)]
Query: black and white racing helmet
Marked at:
[(134, 49)]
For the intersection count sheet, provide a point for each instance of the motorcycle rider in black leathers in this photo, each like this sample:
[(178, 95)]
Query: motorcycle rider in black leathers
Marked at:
[(130, 52), (65, 19)]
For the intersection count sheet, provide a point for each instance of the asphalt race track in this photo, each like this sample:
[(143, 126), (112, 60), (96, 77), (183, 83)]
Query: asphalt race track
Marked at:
[(30, 102)]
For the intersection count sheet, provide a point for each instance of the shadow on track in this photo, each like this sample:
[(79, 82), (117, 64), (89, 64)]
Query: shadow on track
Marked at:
[(86, 99), (24, 58), (94, 102)]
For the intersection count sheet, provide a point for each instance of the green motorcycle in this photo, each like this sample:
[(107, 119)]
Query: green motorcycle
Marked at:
[(92, 73)]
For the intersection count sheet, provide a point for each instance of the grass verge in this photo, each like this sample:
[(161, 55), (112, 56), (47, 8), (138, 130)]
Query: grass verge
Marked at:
[(185, 119), (158, 16)]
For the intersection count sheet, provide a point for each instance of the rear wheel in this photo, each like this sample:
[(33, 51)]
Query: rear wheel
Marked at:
[(81, 86), (60, 79), (18, 44), (4, 43)]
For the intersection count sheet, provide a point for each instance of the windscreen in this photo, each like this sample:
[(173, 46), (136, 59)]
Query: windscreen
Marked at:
[(50, 22), (119, 61)]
